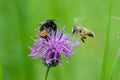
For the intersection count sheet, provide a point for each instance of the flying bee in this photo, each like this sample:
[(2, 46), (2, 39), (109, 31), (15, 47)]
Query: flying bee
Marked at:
[(47, 27), (83, 32)]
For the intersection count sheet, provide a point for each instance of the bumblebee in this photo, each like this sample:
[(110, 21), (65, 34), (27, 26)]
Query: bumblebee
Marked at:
[(47, 27), (83, 32)]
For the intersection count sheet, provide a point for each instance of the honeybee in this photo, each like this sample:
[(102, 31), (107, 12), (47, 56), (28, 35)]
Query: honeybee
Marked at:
[(83, 32), (47, 27)]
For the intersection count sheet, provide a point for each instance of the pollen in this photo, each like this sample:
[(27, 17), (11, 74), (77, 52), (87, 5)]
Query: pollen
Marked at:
[(43, 33)]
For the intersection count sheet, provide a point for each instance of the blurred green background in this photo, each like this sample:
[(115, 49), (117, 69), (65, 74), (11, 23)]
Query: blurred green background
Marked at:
[(93, 61)]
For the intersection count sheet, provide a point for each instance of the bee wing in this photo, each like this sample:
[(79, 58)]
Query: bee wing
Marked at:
[(82, 33)]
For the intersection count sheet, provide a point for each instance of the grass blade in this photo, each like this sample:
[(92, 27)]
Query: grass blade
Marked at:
[(105, 55)]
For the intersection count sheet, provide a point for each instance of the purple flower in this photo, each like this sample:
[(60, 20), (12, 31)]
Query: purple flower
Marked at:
[(49, 49)]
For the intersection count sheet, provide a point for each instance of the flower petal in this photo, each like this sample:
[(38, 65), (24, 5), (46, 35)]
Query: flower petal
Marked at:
[(61, 34)]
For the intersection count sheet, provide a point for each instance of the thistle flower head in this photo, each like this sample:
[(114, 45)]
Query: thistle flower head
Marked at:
[(50, 48)]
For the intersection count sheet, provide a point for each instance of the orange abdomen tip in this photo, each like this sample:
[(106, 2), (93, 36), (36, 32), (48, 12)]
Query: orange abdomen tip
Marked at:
[(43, 33)]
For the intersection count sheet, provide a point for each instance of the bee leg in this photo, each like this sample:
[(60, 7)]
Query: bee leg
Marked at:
[(84, 37), (83, 40)]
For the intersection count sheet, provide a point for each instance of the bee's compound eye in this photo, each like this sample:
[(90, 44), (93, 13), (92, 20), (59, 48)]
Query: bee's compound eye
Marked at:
[(73, 30)]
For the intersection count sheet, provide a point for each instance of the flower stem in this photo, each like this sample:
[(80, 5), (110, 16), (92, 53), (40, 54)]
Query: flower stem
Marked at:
[(48, 68)]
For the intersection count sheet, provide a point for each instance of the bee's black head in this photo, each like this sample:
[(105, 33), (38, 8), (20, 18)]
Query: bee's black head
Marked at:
[(74, 29), (49, 25)]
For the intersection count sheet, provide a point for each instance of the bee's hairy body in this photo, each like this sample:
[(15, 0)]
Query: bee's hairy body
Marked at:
[(83, 32), (47, 27)]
